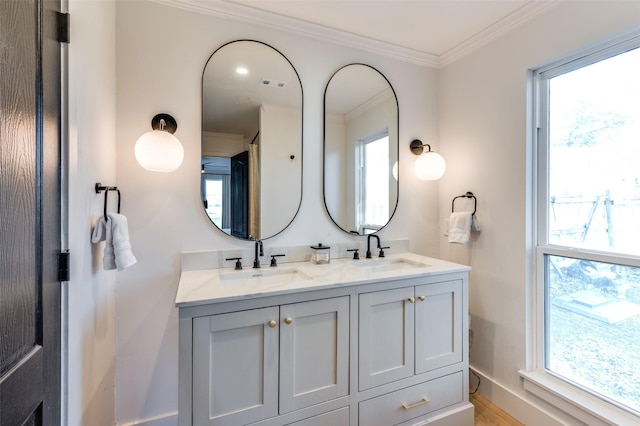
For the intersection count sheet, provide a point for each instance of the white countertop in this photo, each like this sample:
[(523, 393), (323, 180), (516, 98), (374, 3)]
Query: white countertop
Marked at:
[(199, 287)]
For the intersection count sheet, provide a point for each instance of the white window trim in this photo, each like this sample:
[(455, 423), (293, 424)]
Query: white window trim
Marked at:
[(570, 398), (576, 402)]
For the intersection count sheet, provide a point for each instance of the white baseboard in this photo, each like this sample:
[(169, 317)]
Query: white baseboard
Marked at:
[(170, 419), (517, 406)]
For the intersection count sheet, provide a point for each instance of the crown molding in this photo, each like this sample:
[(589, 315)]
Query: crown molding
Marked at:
[(497, 30), (369, 104), (248, 14)]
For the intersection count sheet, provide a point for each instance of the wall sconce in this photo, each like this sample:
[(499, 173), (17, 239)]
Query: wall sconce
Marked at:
[(158, 150), (429, 165)]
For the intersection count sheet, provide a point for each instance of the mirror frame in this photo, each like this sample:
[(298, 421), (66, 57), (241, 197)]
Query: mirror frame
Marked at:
[(324, 147), (295, 71)]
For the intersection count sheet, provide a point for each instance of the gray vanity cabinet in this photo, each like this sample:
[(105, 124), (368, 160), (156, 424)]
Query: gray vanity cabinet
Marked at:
[(408, 332), (256, 364), (235, 367), (378, 352), (314, 352), (386, 337), (440, 320)]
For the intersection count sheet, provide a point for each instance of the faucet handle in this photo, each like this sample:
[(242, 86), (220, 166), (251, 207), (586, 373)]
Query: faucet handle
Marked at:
[(238, 262), (274, 262), (356, 255), (381, 254)]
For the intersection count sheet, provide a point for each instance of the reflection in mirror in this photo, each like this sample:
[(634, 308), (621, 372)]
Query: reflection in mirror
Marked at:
[(251, 184), (360, 149)]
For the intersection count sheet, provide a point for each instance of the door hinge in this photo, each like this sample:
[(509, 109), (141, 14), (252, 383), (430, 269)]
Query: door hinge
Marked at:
[(63, 27), (63, 266)]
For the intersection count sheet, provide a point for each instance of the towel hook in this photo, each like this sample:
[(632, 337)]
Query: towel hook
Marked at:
[(99, 188), (469, 194)]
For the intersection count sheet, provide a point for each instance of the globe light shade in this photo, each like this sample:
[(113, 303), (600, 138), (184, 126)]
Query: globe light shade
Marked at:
[(159, 151), (430, 166)]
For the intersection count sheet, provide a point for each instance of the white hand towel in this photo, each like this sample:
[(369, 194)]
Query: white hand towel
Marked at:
[(475, 226), (102, 232), (121, 245), (460, 227)]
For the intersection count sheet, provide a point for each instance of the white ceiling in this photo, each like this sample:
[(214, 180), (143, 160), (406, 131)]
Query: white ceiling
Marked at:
[(427, 32)]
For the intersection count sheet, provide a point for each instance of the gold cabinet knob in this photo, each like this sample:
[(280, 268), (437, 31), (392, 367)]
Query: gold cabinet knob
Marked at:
[(411, 300), (272, 323), (421, 298), (288, 320)]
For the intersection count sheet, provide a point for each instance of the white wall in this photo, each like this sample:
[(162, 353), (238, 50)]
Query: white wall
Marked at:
[(161, 53), (222, 144), (280, 175), (92, 158), (336, 154), (483, 136)]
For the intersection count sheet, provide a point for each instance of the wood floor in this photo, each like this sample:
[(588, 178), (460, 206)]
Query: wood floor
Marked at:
[(487, 414)]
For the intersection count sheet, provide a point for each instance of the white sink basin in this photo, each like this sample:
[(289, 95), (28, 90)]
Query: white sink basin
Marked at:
[(262, 277), (386, 265)]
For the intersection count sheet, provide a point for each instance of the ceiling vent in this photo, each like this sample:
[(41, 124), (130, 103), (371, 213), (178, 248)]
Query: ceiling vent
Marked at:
[(273, 83)]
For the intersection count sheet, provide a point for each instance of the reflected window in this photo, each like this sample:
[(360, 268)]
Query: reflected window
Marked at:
[(214, 195), (372, 183), (216, 190)]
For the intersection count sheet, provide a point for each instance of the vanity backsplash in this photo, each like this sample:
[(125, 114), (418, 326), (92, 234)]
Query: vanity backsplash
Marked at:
[(214, 259)]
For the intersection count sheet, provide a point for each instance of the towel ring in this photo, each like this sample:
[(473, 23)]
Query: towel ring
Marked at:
[(469, 194), (99, 188)]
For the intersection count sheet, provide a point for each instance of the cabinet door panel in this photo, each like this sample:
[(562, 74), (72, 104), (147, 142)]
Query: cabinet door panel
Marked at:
[(235, 368), (438, 325), (386, 339), (314, 352)]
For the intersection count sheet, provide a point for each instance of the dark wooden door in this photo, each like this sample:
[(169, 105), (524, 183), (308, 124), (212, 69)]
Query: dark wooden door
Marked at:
[(240, 195), (29, 213)]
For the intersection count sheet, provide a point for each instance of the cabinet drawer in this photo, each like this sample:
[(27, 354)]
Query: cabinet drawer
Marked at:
[(339, 417), (405, 404)]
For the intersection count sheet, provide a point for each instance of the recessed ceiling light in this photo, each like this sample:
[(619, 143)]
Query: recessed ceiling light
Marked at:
[(242, 70)]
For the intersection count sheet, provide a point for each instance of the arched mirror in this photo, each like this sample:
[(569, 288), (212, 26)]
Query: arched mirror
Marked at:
[(251, 184), (360, 149)]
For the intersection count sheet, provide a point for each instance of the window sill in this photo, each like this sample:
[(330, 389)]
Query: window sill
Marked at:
[(576, 402)]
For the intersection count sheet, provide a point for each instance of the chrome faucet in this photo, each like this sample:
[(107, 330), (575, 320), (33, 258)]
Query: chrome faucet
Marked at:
[(368, 254), (258, 251)]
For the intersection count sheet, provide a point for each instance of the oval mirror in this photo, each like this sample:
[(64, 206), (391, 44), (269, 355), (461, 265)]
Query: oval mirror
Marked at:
[(251, 183), (360, 149)]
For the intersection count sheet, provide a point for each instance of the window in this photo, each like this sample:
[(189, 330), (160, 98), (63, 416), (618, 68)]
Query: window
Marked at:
[(372, 182), (588, 223), (216, 190), (214, 186)]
